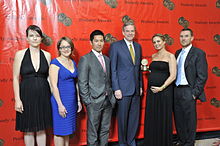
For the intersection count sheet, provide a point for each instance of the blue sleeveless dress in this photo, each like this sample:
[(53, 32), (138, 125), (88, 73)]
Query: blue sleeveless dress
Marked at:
[(67, 89)]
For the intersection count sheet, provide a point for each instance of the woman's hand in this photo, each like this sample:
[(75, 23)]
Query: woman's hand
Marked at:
[(155, 89), (79, 107), (19, 106), (62, 111)]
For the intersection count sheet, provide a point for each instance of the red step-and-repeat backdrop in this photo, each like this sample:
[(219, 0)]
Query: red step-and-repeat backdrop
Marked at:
[(78, 18)]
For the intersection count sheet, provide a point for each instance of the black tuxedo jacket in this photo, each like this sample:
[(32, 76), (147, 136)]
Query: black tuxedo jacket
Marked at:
[(196, 70)]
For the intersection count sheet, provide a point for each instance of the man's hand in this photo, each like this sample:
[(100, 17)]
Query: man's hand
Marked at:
[(194, 97), (118, 94), (141, 91), (79, 107)]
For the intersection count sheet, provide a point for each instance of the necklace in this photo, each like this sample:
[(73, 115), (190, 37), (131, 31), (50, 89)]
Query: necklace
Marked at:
[(67, 63)]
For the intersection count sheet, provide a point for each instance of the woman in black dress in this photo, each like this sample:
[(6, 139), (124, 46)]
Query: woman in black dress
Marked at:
[(158, 117), (32, 90)]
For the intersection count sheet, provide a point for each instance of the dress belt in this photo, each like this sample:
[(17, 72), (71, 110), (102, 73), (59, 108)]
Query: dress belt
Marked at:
[(181, 86), (35, 75)]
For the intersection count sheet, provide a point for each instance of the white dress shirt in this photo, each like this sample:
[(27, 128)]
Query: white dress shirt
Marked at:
[(183, 80), (128, 45), (97, 55)]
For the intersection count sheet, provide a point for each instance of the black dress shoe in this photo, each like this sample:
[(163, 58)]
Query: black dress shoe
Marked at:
[(176, 143)]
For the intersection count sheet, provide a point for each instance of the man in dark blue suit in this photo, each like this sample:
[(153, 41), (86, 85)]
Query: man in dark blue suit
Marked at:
[(125, 56)]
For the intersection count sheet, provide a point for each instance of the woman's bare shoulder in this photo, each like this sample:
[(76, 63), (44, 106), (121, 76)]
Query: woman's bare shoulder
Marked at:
[(154, 55), (45, 52), (171, 55), (47, 55), (20, 53)]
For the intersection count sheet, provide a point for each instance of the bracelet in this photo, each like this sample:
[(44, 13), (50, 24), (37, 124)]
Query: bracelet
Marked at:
[(163, 87)]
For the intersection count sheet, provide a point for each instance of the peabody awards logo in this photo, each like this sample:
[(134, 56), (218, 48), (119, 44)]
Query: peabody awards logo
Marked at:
[(64, 19), (126, 18), (183, 22), (169, 4), (47, 40), (218, 4), (169, 40), (109, 38), (2, 142), (111, 3), (215, 102), (1, 103), (217, 39), (216, 71)]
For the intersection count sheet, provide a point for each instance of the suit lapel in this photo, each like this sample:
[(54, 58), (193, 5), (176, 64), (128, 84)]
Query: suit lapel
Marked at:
[(107, 67), (136, 52), (126, 50), (188, 57), (96, 61), (177, 53)]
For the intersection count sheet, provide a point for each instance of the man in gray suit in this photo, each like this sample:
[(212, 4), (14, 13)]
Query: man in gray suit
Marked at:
[(95, 90)]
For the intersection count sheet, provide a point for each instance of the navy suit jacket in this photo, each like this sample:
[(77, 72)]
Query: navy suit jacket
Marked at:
[(196, 70), (126, 76)]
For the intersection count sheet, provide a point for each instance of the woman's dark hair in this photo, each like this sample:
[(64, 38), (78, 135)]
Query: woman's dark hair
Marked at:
[(34, 28)]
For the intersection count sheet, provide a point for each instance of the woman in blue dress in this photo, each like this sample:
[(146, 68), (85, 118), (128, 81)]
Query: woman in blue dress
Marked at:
[(65, 100)]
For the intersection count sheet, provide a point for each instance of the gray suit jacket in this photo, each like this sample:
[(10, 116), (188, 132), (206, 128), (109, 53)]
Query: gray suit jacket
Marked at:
[(93, 82)]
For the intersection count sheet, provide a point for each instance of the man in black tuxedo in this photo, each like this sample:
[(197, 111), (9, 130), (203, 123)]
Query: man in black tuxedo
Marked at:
[(191, 78)]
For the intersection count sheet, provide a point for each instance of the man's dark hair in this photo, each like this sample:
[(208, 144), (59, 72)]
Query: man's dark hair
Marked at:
[(188, 29), (96, 32)]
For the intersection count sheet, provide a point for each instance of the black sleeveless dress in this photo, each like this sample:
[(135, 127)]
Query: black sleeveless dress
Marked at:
[(35, 96), (158, 116)]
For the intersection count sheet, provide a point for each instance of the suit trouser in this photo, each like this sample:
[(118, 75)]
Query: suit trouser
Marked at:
[(98, 123), (128, 119), (185, 115)]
